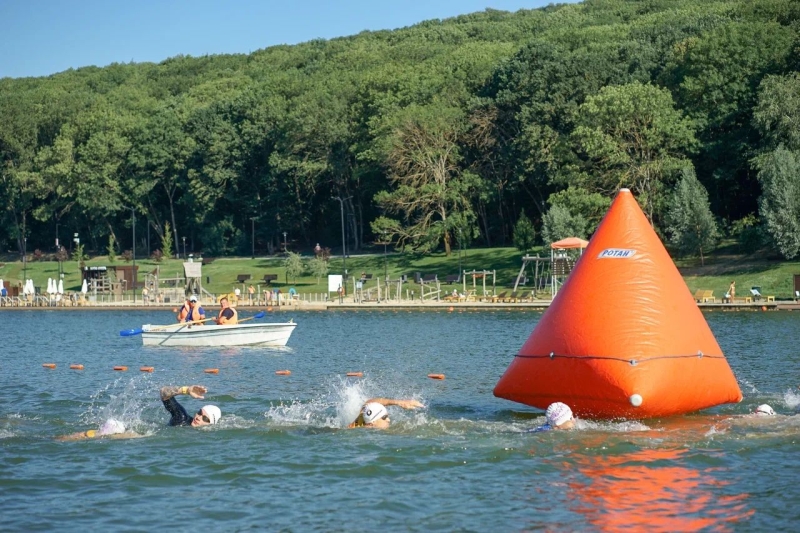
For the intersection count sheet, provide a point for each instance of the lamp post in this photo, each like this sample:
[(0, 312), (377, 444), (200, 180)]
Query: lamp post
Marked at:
[(385, 268), (133, 274), (184, 248), (25, 259), (344, 249), (57, 236), (253, 237), (285, 250), (459, 253)]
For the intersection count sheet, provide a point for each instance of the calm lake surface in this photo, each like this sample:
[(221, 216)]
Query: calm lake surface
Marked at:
[(281, 460)]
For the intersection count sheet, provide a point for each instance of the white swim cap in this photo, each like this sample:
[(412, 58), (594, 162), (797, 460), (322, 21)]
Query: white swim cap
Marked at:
[(373, 411), (213, 413), (558, 413), (111, 426), (764, 410)]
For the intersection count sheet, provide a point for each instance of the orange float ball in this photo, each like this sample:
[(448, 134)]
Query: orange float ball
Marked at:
[(49, 365), (146, 369), (211, 370), (283, 372), (436, 376), (76, 367), (121, 368), (355, 374)]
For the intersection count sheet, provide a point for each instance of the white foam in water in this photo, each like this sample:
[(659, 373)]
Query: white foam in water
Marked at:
[(335, 409), (792, 399)]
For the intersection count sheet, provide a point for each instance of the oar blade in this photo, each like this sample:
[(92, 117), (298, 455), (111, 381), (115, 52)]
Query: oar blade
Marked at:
[(259, 315), (130, 332)]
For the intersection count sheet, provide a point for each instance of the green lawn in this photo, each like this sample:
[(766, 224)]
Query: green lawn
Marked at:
[(774, 277)]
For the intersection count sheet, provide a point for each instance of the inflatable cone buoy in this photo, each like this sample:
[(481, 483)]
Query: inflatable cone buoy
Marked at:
[(623, 337)]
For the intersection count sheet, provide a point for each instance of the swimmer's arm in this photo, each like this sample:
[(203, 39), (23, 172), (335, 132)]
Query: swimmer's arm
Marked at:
[(78, 436), (405, 404), (195, 391)]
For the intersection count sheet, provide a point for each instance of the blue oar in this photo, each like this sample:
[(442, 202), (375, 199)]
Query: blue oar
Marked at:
[(139, 331)]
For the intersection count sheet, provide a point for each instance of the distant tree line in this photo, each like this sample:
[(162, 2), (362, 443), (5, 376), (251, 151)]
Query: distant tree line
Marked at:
[(455, 130)]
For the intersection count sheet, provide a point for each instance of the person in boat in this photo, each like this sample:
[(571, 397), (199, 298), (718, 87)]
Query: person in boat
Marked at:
[(112, 428), (192, 311), (374, 412), (207, 415), (227, 315), (558, 416)]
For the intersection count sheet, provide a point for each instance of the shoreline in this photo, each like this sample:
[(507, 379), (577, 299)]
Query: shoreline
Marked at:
[(402, 305)]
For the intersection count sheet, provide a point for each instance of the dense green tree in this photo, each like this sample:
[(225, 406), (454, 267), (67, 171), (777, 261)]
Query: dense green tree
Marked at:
[(559, 224), (524, 233), (689, 221), (633, 137), (779, 205)]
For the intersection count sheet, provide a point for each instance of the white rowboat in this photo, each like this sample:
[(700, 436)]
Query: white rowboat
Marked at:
[(264, 334)]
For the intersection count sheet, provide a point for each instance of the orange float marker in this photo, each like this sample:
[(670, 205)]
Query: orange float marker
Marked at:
[(76, 367), (624, 336), (355, 374), (49, 365), (436, 376), (121, 368), (211, 370), (283, 372), (146, 369)]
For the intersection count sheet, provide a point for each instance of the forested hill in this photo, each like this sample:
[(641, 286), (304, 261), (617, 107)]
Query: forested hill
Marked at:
[(493, 127)]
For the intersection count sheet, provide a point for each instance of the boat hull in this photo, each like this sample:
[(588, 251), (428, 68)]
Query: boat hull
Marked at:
[(269, 334)]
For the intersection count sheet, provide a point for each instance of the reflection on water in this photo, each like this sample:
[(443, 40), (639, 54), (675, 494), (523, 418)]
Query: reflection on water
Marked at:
[(653, 490)]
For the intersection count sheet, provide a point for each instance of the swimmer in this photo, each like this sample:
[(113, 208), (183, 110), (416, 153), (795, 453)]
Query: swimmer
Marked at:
[(764, 410), (207, 415), (375, 415), (558, 416), (112, 428)]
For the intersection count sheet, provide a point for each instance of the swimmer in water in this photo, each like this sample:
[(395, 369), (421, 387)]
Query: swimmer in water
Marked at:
[(207, 415), (112, 428), (374, 412), (558, 416)]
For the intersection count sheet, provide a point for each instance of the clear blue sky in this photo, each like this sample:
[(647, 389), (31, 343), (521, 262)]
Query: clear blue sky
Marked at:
[(41, 37)]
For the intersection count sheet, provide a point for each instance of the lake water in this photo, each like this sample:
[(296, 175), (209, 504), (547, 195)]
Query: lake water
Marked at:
[(281, 460)]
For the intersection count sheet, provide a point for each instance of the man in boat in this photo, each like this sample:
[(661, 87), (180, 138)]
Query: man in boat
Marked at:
[(227, 315), (192, 311), (375, 415), (207, 415)]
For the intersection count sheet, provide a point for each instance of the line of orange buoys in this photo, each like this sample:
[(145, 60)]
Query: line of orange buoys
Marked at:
[(122, 368)]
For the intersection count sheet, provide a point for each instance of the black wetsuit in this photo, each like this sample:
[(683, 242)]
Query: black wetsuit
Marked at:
[(179, 415)]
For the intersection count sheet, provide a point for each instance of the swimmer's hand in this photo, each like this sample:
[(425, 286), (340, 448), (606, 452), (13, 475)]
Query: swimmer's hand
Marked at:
[(410, 404), (197, 391)]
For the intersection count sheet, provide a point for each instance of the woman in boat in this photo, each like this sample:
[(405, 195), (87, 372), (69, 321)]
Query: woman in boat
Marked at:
[(207, 415), (227, 315), (375, 415)]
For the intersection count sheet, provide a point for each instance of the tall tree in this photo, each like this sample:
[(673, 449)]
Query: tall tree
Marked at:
[(689, 220), (779, 205), (632, 136)]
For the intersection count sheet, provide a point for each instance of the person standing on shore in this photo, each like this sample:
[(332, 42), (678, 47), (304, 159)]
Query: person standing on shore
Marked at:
[(731, 292)]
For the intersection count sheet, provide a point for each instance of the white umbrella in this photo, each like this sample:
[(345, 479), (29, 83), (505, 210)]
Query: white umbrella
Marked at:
[(60, 286), (50, 289), (84, 287), (29, 288), (1, 284)]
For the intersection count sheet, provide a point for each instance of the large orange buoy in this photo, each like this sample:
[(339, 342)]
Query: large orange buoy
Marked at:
[(624, 336)]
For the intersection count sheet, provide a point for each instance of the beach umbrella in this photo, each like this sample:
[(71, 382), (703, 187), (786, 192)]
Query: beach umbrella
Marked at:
[(84, 287), (60, 286), (50, 288), (1, 284)]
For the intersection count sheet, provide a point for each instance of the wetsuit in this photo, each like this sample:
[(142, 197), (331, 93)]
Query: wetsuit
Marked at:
[(179, 415)]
